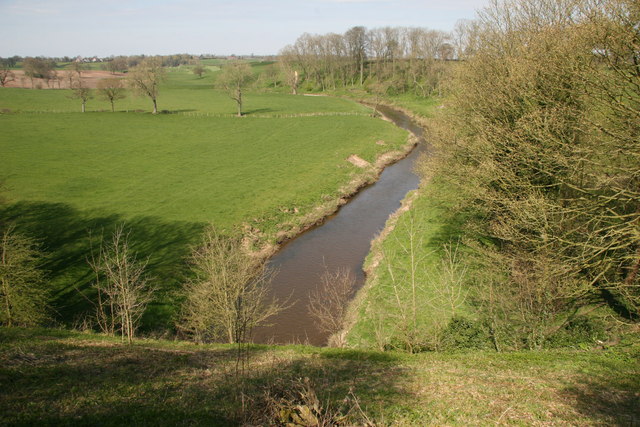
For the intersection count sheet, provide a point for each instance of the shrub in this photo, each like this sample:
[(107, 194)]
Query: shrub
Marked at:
[(578, 332), (462, 333)]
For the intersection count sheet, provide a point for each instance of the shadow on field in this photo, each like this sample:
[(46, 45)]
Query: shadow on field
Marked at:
[(259, 111), (184, 110), (609, 397), (68, 236), (104, 383)]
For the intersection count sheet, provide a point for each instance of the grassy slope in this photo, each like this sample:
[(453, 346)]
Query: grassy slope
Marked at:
[(376, 310), (66, 174), (64, 378)]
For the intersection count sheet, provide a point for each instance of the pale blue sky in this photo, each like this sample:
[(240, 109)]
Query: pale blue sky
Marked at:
[(113, 27)]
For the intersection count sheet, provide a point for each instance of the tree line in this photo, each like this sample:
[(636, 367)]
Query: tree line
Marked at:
[(404, 60), (144, 75)]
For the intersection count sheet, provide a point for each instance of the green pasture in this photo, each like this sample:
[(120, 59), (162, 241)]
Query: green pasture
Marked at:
[(67, 176), (183, 92), (177, 167)]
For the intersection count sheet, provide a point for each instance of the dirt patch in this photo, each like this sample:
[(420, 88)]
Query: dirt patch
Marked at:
[(61, 80), (358, 161)]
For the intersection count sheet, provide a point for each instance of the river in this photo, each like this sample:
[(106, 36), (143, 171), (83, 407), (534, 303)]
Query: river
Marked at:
[(341, 242)]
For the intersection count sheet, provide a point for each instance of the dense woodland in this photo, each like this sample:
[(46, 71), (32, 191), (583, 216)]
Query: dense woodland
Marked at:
[(388, 60)]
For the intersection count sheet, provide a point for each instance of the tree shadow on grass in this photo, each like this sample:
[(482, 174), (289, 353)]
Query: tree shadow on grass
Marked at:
[(609, 397), (258, 111), (68, 236), (112, 384), (94, 383), (183, 110)]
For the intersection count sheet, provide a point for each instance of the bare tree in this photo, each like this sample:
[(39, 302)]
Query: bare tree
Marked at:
[(111, 89), (81, 93), (69, 77), (424, 295), (6, 75), (357, 44), (23, 298), (329, 302), (464, 38), (198, 70), (234, 78), (229, 296), (272, 75), (288, 64), (39, 68), (145, 79), (77, 67), (406, 59), (123, 290), (118, 64)]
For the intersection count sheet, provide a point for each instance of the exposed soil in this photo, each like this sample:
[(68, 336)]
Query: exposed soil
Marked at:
[(358, 161), (90, 79)]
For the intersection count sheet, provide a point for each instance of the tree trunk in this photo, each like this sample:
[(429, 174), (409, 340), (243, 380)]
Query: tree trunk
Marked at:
[(295, 83), (155, 106), (83, 106), (239, 101), (112, 107)]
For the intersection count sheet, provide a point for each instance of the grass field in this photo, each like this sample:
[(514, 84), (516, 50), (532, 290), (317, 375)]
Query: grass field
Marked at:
[(66, 174), (53, 377), (183, 92)]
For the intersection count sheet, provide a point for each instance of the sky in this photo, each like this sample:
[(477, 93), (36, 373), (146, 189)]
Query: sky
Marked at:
[(58, 28)]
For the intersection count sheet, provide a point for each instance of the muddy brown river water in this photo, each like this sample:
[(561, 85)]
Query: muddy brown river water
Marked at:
[(342, 241)]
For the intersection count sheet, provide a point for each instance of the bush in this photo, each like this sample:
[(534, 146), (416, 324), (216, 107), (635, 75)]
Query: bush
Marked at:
[(462, 333), (578, 332)]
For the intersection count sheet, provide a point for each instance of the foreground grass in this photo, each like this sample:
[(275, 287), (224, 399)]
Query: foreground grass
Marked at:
[(58, 377)]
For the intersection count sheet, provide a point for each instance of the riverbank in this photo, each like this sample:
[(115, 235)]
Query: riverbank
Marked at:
[(403, 271), (263, 247), (422, 290), (340, 244)]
